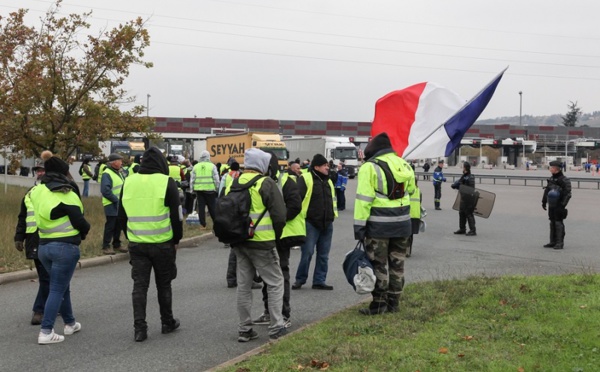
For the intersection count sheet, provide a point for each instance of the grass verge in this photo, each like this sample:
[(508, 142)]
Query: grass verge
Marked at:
[(478, 324), (13, 260)]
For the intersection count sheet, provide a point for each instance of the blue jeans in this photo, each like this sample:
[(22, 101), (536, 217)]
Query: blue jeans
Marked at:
[(86, 188), (59, 260), (322, 239)]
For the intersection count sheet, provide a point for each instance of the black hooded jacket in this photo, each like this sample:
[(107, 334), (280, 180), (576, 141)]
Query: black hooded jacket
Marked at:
[(155, 162)]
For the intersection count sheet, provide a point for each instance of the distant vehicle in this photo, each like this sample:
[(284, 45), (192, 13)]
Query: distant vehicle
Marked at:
[(127, 149), (333, 148), (223, 147)]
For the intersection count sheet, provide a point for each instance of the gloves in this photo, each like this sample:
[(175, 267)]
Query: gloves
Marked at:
[(19, 246), (443, 179), (544, 206)]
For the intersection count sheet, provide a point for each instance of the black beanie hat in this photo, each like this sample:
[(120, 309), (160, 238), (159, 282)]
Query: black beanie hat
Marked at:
[(53, 164), (318, 160), (235, 166), (467, 165), (379, 142)]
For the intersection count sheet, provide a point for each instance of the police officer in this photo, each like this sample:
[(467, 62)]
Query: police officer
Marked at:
[(438, 178), (150, 214), (382, 219), (556, 197), (467, 202)]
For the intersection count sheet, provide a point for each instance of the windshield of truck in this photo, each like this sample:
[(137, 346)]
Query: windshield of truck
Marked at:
[(123, 150), (280, 153), (345, 153)]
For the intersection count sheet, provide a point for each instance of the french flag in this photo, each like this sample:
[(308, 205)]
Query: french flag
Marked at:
[(427, 120)]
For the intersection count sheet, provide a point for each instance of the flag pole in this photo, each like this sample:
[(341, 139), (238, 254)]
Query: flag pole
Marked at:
[(462, 108)]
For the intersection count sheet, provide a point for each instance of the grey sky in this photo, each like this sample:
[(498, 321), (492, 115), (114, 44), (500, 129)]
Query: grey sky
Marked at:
[(332, 59)]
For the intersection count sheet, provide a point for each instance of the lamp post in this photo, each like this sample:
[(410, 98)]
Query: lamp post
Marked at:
[(147, 105), (520, 108)]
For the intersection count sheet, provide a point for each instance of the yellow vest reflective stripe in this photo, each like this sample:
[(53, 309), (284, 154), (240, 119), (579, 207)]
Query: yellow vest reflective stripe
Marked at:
[(296, 226), (148, 219), (175, 172), (308, 179), (264, 232), (415, 204), (117, 185), (203, 177), (44, 201), (31, 226)]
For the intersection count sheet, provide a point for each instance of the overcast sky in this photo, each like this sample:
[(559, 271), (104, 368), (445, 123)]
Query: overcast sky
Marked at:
[(332, 59)]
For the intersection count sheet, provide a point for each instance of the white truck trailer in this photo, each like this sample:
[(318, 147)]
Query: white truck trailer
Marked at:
[(333, 148)]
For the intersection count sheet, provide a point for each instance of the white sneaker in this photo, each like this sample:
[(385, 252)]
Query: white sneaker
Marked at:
[(51, 338), (69, 330)]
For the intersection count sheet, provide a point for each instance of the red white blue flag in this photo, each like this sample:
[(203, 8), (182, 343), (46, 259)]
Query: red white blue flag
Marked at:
[(427, 120)]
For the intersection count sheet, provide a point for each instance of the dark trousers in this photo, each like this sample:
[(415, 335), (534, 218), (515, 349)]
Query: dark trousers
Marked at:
[(284, 263), (112, 231), (437, 196), (189, 202), (341, 199), (144, 258), (43, 289), (206, 199), (465, 215)]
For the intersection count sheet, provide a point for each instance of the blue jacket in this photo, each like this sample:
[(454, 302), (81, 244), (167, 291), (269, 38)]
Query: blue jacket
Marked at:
[(342, 179), (438, 176)]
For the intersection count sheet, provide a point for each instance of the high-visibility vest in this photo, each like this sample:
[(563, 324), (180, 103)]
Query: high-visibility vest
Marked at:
[(415, 204), (101, 170), (133, 167), (148, 219), (30, 226), (44, 201), (264, 231), (175, 172), (117, 185), (85, 176), (308, 179), (296, 226), (203, 179), (372, 208)]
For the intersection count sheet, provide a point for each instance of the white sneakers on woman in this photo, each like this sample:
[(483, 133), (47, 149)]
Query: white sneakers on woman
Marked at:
[(53, 338)]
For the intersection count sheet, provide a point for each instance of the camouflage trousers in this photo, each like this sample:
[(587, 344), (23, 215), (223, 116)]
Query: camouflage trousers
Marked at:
[(387, 256)]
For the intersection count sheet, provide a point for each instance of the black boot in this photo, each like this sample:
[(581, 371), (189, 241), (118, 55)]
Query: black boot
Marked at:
[(560, 234), (393, 302), (375, 308), (471, 222), (552, 237)]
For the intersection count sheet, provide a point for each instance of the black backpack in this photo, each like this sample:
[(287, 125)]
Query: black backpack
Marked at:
[(232, 222), (395, 189), (96, 170)]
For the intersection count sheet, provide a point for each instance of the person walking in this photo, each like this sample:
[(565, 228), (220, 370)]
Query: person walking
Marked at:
[(110, 187), (151, 216), (259, 253), (557, 194), (382, 220), (468, 202), (426, 167), (293, 235), (340, 186), (27, 237), (205, 182), (438, 178), (86, 175), (61, 226), (319, 208)]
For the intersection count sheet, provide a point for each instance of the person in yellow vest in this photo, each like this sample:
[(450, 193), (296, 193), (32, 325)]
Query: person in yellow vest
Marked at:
[(205, 182), (416, 198), (293, 234), (86, 175), (27, 237), (382, 220), (135, 166), (150, 214), (258, 254), (61, 226), (319, 208), (110, 187)]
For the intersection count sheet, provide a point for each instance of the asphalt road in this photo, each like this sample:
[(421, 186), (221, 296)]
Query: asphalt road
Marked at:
[(509, 242)]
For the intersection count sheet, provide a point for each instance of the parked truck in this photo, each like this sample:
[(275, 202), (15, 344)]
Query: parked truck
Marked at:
[(128, 149), (333, 148), (223, 147)]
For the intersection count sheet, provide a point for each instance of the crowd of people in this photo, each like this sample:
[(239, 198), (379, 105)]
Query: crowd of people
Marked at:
[(148, 199)]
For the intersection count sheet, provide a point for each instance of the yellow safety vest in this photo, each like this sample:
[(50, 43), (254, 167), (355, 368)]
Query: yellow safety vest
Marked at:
[(117, 185), (308, 179), (203, 180), (296, 226), (31, 227), (415, 204), (175, 172), (44, 201), (85, 176), (148, 219), (264, 232)]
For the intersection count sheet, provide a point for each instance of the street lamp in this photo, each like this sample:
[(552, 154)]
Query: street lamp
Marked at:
[(520, 108), (147, 105)]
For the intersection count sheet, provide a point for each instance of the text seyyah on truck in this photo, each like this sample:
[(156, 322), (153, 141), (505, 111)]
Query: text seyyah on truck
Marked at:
[(224, 147), (333, 148)]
